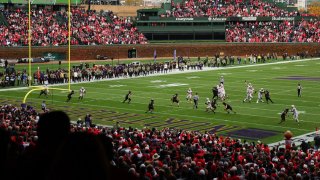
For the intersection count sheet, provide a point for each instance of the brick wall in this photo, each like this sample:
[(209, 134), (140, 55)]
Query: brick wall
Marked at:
[(163, 50)]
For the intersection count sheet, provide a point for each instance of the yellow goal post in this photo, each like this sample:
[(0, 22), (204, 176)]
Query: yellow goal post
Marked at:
[(30, 74)]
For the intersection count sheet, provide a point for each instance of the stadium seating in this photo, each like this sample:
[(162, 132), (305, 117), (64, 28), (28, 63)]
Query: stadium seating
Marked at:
[(232, 8), (51, 28), (286, 31), (151, 153)]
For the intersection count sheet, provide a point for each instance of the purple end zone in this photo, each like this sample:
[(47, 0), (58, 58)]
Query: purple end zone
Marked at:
[(252, 133), (305, 78)]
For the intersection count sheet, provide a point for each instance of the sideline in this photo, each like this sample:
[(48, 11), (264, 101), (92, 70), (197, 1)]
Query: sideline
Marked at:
[(175, 71), (308, 137)]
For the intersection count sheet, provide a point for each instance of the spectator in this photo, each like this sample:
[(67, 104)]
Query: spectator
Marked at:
[(142, 153)]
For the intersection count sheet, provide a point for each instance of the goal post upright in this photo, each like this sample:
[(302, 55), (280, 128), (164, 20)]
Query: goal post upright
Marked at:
[(69, 44), (29, 42), (30, 76)]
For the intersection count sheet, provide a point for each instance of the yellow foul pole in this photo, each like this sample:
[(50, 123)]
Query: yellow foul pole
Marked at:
[(69, 42), (29, 41)]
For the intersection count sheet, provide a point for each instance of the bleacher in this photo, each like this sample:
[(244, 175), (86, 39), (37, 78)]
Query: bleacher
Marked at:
[(206, 20)]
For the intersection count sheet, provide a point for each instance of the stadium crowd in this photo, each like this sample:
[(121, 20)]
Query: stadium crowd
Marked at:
[(47, 146), (228, 8), (286, 31), (51, 28)]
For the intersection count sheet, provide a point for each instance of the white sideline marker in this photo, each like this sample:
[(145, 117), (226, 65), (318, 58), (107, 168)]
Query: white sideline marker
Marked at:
[(158, 81), (193, 77), (117, 85), (171, 85)]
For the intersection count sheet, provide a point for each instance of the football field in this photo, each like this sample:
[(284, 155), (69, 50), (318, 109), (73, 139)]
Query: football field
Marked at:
[(253, 121)]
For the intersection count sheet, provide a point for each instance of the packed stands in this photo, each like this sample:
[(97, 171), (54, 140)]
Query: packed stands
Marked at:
[(140, 153), (286, 31), (51, 28), (231, 8)]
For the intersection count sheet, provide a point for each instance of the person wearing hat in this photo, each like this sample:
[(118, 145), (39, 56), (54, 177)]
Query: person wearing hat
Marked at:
[(150, 106), (155, 156)]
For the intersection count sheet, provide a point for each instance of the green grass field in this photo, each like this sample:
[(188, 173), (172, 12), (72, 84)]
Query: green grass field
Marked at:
[(104, 100)]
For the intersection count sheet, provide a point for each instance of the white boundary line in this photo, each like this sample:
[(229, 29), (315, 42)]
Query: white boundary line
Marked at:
[(176, 71)]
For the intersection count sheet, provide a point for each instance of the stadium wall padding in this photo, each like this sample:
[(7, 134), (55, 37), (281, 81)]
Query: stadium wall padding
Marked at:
[(164, 50)]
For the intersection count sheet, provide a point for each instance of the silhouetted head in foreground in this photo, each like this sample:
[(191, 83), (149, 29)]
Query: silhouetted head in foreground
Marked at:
[(81, 156), (53, 127)]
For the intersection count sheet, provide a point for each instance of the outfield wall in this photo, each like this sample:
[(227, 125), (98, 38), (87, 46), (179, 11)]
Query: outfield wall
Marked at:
[(163, 50)]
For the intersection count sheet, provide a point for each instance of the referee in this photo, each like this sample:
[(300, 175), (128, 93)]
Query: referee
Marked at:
[(299, 89)]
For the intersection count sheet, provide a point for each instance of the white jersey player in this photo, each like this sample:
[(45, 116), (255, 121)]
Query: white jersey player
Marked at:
[(82, 92), (295, 113), (250, 91), (221, 92), (189, 95), (209, 106), (260, 95)]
